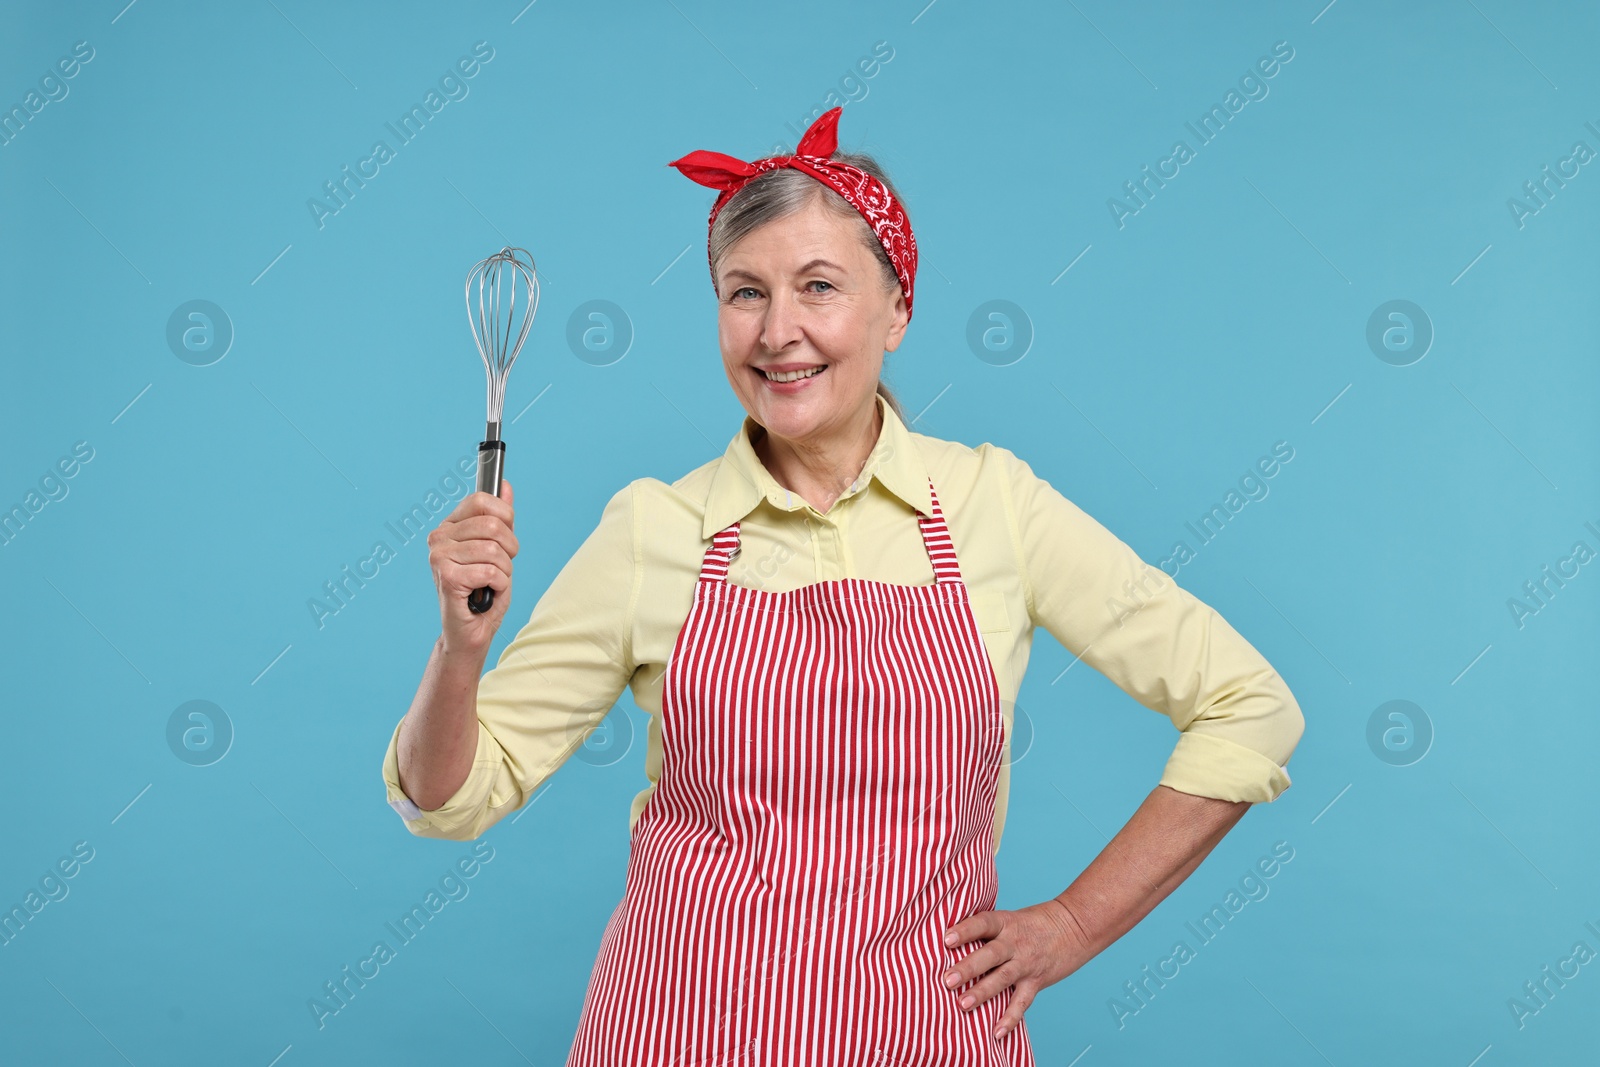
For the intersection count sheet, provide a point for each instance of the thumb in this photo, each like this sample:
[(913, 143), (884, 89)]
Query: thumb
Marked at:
[(505, 492)]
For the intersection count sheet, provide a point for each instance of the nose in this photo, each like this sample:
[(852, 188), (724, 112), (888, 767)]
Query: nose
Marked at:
[(780, 327)]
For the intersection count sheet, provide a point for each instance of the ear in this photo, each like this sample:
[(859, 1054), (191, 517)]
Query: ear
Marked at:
[(897, 325)]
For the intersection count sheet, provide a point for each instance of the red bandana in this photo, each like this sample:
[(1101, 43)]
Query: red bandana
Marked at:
[(864, 192)]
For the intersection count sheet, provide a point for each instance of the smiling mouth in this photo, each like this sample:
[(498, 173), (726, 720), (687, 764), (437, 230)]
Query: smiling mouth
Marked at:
[(791, 376)]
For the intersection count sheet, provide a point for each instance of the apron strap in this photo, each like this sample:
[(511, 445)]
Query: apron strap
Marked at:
[(935, 538), (724, 546)]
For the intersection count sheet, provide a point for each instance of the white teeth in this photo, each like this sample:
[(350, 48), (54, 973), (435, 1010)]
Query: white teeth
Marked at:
[(791, 376)]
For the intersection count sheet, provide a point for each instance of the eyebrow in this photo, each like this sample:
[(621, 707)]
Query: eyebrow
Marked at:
[(732, 274)]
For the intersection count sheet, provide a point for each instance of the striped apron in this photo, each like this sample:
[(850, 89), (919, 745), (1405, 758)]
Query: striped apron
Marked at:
[(825, 811)]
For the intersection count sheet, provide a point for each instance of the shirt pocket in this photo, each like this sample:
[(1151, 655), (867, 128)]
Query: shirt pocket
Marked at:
[(989, 609)]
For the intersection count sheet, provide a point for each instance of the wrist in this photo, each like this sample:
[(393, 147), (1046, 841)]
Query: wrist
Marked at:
[(1074, 927), (460, 656)]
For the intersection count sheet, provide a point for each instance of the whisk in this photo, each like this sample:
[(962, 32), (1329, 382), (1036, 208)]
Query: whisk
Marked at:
[(499, 326)]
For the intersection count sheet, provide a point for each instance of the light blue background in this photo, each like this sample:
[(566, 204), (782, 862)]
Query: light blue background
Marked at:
[(1228, 314)]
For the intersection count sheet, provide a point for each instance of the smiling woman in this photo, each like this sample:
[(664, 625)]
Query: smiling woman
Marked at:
[(806, 205), (811, 868), (804, 319)]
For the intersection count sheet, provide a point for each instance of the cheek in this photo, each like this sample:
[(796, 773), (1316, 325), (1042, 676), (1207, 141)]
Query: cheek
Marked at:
[(736, 331), (842, 339), (737, 339)]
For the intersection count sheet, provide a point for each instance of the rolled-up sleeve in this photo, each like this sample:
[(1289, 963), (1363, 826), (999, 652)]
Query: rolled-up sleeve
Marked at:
[(552, 685), (1158, 643)]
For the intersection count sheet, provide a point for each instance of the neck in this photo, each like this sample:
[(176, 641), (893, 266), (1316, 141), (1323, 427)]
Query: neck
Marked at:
[(819, 469)]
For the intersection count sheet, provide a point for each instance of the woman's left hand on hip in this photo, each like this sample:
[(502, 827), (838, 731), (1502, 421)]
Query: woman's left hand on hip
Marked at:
[(1026, 949)]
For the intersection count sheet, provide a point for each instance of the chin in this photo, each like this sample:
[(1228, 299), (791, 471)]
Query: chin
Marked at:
[(788, 419)]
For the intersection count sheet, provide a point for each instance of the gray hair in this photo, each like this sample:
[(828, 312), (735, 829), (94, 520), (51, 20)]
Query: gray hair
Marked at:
[(784, 191)]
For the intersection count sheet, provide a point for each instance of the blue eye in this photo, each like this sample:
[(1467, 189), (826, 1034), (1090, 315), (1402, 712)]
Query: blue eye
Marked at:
[(743, 289), (819, 281)]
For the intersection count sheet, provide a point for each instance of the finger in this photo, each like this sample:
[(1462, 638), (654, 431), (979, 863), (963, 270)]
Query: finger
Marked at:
[(505, 492), (468, 552), (978, 962), (992, 984), (980, 924), (476, 576), (478, 528), (479, 502), (1021, 997)]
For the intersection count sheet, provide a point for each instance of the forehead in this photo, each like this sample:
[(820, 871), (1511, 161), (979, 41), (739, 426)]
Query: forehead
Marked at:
[(813, 232)]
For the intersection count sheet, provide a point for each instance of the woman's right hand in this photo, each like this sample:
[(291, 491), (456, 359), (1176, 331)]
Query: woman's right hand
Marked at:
[(470, 549)]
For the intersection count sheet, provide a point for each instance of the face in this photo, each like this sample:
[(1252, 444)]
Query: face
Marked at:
[(803, 293)]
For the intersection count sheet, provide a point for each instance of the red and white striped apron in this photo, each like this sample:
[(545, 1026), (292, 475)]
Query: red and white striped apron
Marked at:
[(825, 811)]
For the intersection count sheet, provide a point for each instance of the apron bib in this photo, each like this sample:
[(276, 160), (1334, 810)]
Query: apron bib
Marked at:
[(825, 811)]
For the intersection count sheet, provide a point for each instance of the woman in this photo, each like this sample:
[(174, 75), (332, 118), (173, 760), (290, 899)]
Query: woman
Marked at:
[(828, 626)]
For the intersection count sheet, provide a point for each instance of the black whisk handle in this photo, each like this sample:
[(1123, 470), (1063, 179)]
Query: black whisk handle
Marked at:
[(491, 463)]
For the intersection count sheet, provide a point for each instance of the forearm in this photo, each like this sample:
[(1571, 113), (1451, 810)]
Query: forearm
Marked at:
[(1165, 840), (439, 734)]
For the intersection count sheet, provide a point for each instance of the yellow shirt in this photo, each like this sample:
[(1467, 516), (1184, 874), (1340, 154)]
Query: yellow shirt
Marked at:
[(1029, 556)]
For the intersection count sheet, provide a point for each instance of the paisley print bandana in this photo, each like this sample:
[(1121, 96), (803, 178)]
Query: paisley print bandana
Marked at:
[(865, 193)]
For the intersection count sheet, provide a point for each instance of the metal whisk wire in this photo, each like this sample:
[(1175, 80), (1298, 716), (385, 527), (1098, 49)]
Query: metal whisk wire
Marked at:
[(499, 328), (497, 317)]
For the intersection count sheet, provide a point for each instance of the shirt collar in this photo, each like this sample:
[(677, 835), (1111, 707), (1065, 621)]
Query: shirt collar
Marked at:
[(742, 481)]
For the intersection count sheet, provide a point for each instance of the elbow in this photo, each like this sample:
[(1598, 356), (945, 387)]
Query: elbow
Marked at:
[(1291, 723), (458, 833), (429, 800), (466, 818), (426, 827), (1260, 707), (491, 790), (463, 816)]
